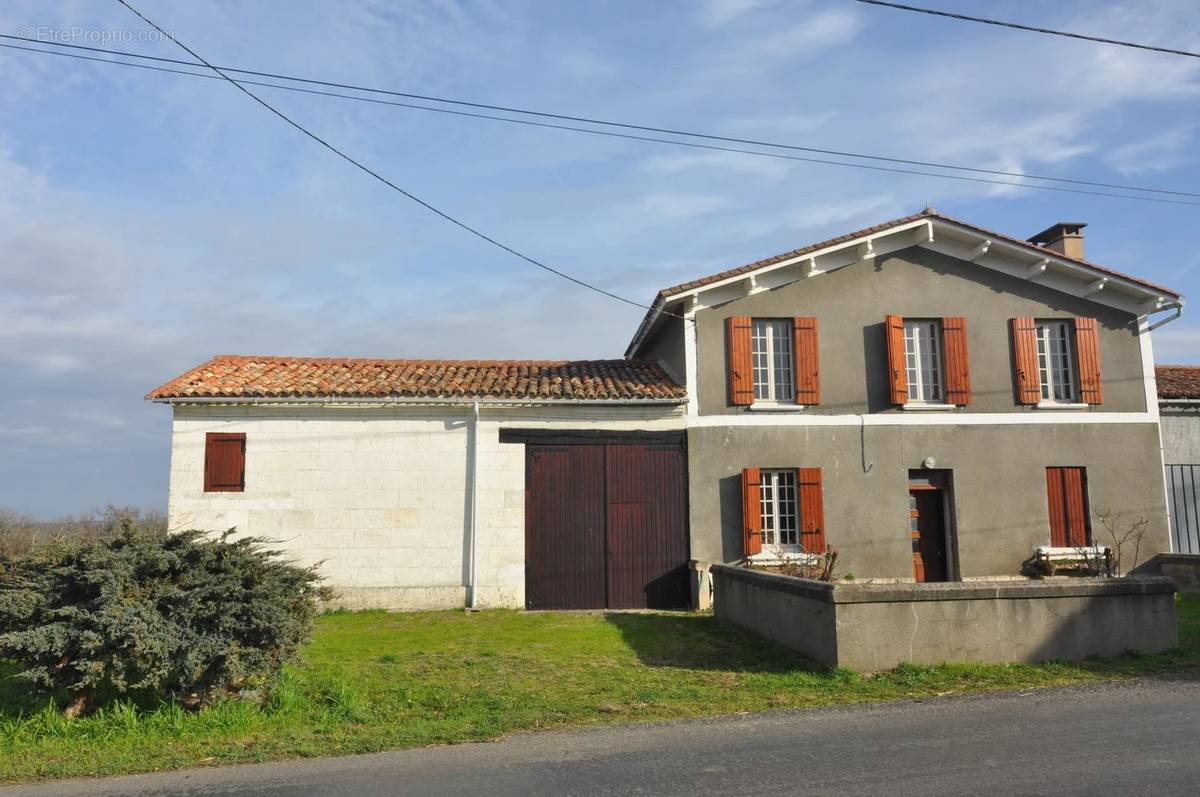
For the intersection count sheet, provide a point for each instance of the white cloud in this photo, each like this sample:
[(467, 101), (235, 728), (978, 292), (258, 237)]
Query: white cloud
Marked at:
[(818, 32), (778, 122), (1158, 152), (715, 13), (682, 205), (676, 162)]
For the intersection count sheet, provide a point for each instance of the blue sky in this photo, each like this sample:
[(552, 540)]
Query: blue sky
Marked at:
[(149, 221)]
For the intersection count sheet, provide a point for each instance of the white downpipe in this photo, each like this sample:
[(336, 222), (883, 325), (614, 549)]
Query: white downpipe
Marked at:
[(474, 503)]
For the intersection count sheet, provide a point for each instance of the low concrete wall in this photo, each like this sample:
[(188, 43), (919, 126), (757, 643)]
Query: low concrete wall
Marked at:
[(1182, 568), (875, 627)]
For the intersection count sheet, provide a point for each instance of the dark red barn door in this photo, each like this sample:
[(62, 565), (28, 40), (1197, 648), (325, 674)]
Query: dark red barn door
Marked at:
[(564, 527), (647, 537), (612, 519)]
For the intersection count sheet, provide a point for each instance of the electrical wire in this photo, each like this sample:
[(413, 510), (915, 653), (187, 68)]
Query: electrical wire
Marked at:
[(364, 168), (628, 136), (609, 123), (1017, 26)]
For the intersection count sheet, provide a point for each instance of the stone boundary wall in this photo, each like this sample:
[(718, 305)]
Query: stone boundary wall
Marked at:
[(1182, 568), (871, 627)]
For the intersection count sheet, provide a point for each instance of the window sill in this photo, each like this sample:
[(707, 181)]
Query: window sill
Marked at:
[(780, 557), (764, 407), (928, 407), (1061, 405)]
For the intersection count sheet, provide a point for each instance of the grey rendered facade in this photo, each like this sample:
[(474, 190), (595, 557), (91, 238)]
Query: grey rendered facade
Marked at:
[(993, 452)]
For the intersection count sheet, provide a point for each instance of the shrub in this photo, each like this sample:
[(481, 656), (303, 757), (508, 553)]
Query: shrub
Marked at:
[(180, 615)]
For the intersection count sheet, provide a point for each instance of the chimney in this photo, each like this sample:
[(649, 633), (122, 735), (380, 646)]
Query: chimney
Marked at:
[(1065, 238)]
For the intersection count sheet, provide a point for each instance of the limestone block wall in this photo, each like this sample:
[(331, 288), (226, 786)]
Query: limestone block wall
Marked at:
[(379, 496)]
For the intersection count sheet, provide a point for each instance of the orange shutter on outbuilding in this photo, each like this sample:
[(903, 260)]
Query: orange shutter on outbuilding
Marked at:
[(740, 361), (812, 510), (897, 370), (751, 511), (958, 369), (1087, 351), (1025, 360), (807, 357)]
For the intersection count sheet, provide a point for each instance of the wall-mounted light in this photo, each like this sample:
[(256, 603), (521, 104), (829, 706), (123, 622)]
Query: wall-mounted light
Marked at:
[(929, 463)]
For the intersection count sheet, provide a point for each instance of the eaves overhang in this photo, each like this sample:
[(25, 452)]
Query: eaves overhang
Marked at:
[(975, 245)]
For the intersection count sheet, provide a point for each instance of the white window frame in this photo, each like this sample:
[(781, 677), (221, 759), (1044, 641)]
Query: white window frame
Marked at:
[(924, 369), (779, 509), (771, 340), (1053, 377)]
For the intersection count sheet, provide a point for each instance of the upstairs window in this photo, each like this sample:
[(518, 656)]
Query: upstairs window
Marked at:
[(1057, 361), (771, 349), (1056, 358), (927, 363), (923, 361)]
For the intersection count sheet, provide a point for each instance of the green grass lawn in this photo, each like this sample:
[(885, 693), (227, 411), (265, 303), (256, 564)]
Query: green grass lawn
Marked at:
[(376, 681)]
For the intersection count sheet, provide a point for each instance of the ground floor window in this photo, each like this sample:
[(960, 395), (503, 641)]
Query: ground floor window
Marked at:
[(1067, 502), (780, 520)]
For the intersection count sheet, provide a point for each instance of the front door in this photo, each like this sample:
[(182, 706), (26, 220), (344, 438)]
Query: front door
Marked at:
[(927, 525)]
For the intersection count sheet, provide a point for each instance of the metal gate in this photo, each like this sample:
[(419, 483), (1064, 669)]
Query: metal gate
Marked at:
[(1183, 500), (606, 526)]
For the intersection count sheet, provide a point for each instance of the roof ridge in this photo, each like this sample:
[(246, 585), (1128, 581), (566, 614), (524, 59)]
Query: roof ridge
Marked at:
[(414, 360), (235, 376)]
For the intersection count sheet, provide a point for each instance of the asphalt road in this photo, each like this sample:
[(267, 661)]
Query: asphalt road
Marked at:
[(1133, 738)]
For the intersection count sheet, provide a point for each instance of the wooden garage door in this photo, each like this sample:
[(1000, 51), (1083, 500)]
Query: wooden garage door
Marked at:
[(606, 526)]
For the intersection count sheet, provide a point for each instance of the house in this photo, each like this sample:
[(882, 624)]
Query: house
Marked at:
[(932, 399), (1179, 417)]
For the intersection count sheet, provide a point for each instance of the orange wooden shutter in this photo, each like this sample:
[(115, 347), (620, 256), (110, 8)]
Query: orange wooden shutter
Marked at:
[(1025, 360), (897, 370), (224, 462), (741, 370), (958, 370), (1066, 500), (812, 510), (1087, 351), (751, 511), (808, 373)]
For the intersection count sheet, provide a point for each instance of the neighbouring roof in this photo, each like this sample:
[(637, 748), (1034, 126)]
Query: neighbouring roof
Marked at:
[(1178, 381), (244, 377)]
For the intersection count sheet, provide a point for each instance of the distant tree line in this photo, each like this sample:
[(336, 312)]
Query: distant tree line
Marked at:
[(20, 534)]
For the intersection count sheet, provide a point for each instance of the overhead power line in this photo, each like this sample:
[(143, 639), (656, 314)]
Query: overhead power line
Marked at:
[(609, 123), (362, 167), (612, 134), (1030, 28)]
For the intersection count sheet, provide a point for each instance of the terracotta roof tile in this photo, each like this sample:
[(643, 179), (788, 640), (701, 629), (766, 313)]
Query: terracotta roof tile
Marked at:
[(1178, 381), (236, 376)]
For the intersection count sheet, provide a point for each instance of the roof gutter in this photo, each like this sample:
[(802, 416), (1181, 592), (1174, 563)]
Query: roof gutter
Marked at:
[(388, 401), (1176, 306)]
